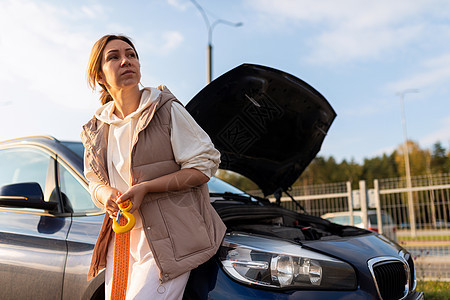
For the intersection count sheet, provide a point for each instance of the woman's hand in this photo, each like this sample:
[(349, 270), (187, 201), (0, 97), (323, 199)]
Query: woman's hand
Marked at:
[(135, 194), (108, 196)]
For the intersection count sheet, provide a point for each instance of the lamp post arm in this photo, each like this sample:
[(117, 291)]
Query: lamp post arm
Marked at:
[(220, 21), (210, 28), (203, 13)]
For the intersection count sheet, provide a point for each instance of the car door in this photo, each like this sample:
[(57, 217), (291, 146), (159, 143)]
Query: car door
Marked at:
[(32, 241), (86, 223)]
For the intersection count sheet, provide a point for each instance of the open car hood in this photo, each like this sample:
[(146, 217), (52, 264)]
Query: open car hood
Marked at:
[(267, 124)]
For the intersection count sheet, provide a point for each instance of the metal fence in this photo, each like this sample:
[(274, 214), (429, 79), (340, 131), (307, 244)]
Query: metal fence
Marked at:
[(417, 217)]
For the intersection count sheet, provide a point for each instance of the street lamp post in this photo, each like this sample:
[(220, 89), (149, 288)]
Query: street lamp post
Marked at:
[(210, 28), (412, 215), (210, 31)]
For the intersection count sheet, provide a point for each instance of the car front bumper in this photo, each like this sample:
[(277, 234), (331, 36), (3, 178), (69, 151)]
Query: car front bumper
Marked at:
[(416, 296), (209, 281)]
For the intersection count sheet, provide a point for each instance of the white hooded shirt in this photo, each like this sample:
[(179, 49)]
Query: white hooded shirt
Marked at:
[(191, 146)]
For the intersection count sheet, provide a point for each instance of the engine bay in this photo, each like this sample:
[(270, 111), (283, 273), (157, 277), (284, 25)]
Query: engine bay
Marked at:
[(278, 222)]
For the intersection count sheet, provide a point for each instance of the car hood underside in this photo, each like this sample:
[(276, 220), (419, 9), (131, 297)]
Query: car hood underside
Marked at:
[(267, 124)]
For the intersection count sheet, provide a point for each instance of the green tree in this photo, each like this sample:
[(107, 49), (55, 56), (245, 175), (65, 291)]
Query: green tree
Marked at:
[(351, 171), (320, 170), (380, 167), (324, 170), (418, 159), (440, 161), (327, 170)]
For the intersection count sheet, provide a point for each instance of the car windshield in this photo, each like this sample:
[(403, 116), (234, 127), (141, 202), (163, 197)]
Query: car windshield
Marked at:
[(219, 186)]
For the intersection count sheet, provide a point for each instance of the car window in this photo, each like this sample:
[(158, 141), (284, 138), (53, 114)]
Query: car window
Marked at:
[(23, 165), (76, 198), (344, 220), (357, 220), (385, 219), (373, 219)]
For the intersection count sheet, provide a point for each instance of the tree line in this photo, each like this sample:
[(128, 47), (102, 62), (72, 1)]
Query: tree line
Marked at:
[(327, 170)]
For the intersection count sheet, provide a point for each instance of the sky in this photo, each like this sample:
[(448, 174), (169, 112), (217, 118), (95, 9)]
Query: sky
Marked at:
[(359, 54)]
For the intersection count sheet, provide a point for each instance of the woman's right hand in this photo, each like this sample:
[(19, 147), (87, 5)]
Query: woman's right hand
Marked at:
[(108, 196)]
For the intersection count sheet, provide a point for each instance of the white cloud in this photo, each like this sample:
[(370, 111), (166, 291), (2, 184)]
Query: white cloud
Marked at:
[(351, 29), (347, 13), (162, 43), (44, 50), (179, 4), (342, 45), (42, 78), (363, 110), (40, 52), (171, 40), (442, 134), (93, 11), (427, 75)]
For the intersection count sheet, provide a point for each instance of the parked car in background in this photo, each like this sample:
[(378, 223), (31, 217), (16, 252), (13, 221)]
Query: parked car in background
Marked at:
[(268, 126), (343, 218), (440, 224)]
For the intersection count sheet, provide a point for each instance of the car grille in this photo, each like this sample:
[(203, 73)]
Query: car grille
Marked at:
[(391, 278), (412, 273)]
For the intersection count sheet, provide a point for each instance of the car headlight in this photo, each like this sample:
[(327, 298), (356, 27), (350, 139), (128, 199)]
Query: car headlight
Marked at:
[(256, 260)]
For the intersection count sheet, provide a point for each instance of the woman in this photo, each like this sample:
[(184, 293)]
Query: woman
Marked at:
[(144, 146)]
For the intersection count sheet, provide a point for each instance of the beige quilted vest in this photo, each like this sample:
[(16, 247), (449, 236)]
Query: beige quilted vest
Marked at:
[(182, 228)]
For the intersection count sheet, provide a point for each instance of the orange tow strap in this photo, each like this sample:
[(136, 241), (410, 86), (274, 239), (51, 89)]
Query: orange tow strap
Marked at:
[(121, 251)]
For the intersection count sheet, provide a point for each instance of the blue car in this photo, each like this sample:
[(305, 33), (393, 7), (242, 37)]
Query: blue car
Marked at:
[(268, 126)]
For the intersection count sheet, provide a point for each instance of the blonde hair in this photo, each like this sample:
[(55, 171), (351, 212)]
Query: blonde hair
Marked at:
[(95, 63)]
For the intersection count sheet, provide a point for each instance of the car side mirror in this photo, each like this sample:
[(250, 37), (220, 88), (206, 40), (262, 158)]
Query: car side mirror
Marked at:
[(24, 195)]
